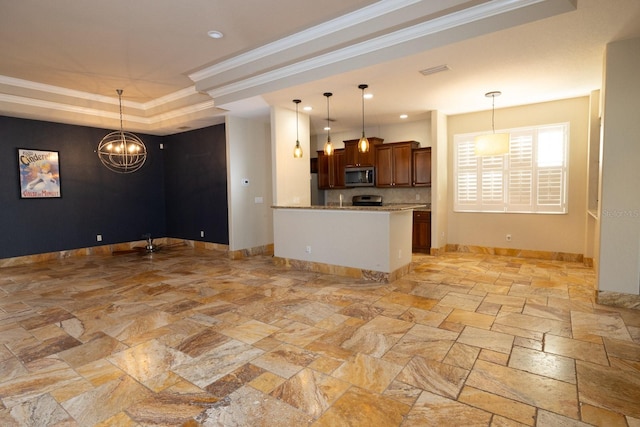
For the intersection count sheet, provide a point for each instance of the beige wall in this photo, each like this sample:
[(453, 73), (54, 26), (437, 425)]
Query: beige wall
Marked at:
[(439, 182), (291, 176), (554, 233), (249, 157), (619, 251)]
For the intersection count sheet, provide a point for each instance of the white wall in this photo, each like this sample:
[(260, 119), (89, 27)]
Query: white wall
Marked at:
[(439, 181), (291, 176), (549, 233), (619, 251), (249, 158), (593, 177)]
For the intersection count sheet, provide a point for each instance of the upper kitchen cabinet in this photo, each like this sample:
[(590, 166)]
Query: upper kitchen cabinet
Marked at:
[(331, 170), (393, 164), (421, 159), (354, 158)]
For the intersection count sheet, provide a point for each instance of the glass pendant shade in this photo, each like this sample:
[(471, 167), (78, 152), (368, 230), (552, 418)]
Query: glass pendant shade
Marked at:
[(493, 144), (328, 146), (363, 144), (297, 150)]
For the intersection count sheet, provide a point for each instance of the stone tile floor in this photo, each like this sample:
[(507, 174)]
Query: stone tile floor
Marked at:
[(189, 337)]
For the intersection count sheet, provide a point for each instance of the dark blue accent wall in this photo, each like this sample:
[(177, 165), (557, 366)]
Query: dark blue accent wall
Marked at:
[(95, 200), (196, 185)]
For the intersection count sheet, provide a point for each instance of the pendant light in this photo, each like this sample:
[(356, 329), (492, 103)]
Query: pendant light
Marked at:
[(493, 144), (297, 151), (120, 151), (328, 146), (363, 144)]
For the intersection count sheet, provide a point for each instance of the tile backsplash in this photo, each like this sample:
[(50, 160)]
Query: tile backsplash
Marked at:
[(421, 195)]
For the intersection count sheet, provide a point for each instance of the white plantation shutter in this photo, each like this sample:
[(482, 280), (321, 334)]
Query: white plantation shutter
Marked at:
[(520, 182), (492, 189), (552, 168), (532, 178), (466, 184)]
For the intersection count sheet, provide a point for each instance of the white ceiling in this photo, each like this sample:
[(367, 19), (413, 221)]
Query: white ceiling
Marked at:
[(63, 60)]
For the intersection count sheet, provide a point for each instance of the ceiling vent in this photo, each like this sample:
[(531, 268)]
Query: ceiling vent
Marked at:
[(434, 70)]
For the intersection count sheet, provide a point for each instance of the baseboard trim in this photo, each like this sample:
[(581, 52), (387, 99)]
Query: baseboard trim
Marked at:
[(519, 253), (135, 245), (256, 250), (617, 299)]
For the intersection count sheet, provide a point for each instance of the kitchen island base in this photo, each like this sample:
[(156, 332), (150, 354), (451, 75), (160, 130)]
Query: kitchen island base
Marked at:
[(372, 243)]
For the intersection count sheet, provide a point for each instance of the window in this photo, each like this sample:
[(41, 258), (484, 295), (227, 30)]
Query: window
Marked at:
[(532, 178)]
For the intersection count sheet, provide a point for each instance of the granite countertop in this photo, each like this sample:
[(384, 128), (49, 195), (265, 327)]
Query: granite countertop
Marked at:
[(384, 208)]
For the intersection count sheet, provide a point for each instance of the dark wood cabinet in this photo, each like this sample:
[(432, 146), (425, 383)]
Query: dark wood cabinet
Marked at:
[(331, 170), (354, 158), (421, 238), (421, 162), (393, 164)]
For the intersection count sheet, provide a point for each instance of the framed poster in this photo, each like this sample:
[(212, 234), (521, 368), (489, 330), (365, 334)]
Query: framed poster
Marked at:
[(39, 174)]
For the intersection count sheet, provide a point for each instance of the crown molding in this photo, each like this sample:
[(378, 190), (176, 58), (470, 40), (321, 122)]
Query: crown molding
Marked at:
[(86, 96), (65, 108), (185, 111), (57, 90), (172, 97), (437, 25), (145, 122), (322, 30)]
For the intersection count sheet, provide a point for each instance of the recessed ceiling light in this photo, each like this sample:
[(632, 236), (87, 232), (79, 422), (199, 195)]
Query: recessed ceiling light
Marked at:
[(307, 108), (368, 96), (327, 128), (215, 34), (403, 116)]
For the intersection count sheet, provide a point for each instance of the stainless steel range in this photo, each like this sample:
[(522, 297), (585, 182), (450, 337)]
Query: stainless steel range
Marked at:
[(366, 200)]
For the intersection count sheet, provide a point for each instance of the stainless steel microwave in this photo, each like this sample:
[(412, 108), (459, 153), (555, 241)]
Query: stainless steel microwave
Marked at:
[(360, 177)]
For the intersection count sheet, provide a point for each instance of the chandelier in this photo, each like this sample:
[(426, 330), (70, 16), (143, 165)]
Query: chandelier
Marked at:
[(120, 151)]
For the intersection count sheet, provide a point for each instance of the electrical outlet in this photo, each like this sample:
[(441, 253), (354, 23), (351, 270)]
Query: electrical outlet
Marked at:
[(508, 237), (99, 238), (308, 249), (202, 233)]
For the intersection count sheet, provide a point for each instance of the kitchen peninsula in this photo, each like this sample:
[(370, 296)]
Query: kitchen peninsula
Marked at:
[(372, 242)]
